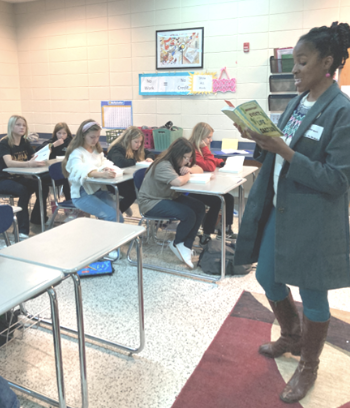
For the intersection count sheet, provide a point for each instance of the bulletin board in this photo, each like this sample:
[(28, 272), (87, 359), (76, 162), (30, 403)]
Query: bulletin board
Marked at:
[(116, 114)]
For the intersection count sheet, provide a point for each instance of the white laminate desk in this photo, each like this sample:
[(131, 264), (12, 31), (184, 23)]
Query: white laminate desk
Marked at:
[(35, 172), (221, 184), (114, 183), (82, 241), (19, 282)]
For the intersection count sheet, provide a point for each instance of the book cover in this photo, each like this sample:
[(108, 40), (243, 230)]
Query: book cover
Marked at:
[(251, 115), (43, 154)]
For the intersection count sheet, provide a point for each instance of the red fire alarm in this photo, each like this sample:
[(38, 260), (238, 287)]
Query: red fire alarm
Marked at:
[(246, 47)]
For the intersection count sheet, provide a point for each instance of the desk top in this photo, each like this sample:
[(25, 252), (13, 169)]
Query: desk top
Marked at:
[(116, 180), (19, 281), (221, 184), (73, 245), (29, 171), (32, 171)]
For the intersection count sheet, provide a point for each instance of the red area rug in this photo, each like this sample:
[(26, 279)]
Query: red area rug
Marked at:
[(232, 374)]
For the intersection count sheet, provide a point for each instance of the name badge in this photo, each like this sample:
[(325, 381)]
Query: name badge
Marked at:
[(314, 132)]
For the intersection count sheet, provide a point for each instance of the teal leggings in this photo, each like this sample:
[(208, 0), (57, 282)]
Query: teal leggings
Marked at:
[(315, 302)]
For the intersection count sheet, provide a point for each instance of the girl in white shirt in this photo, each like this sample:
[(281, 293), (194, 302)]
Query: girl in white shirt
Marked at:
[(84, 158)]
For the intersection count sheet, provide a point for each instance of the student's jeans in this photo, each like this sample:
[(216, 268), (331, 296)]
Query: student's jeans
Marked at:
[(100, 204), (214, 204), (187, 210), (315, 302), (23, 188), (8, 398)]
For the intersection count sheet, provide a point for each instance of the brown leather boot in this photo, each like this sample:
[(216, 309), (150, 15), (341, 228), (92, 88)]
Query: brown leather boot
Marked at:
[(290, 341), (313, 338)]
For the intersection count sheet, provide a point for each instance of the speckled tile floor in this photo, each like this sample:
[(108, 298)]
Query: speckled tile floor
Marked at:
[(182, 317)]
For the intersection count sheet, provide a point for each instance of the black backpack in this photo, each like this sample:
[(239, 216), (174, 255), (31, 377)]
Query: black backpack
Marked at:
[(210, 260)]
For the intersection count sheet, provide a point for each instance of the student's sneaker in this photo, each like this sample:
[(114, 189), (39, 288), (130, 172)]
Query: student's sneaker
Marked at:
[(229, 234), (128, 212), (204, 239), (22, 236), (175, 250), (186, 254), (114, 255)]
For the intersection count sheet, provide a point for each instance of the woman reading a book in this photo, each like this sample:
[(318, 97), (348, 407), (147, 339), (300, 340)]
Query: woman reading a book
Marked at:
[(16, 151), (201, 137), (127, 150), (296, 223), (173, 167)]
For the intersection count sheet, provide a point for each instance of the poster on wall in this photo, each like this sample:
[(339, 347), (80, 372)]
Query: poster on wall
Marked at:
[(116, 114), (181, 48)]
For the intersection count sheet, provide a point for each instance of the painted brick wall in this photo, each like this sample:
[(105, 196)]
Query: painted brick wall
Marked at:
[(74, 53), (10, 97)]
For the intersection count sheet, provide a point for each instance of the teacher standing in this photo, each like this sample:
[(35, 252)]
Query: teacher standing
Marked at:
[(296, 223)]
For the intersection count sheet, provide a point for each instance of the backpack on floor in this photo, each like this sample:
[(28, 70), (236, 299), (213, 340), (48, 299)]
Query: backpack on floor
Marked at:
[(210, 260)]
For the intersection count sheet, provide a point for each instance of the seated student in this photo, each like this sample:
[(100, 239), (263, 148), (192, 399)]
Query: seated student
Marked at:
[(126, 151), (16, 151), (84, 158), (156, 198), (201, 138), (61, 137)]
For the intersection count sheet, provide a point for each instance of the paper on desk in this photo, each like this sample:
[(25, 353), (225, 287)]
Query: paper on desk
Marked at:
[(229, 144), (118, 171), (233, 164), (143, 163), (201, 178), (229, 151), (43, 154)]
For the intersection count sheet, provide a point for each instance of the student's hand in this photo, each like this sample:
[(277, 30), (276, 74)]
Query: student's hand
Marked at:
[(33, 163), (149, 160), (203, 144), (58, 142), (107, 173), (184, 170)]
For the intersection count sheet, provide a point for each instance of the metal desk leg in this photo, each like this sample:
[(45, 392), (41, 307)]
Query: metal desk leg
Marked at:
[(15, 228), (117, 211), (240, 204), (140, 294), (223, 237), (57, 346), (41, 204), (61, 403), (81, 339)]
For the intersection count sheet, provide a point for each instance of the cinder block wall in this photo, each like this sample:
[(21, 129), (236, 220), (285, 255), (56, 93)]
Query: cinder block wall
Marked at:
[(60, 58)]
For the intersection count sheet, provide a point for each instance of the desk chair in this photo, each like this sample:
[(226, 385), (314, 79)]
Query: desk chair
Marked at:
[(138, 177), (55, 171), (8, 197), (8, 218)]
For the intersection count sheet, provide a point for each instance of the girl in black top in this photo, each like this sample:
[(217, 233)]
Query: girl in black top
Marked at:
[(126, 151), (61, 137), (16, 151)]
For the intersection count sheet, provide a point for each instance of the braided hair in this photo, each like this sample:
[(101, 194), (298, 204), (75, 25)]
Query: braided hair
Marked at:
[(333, 40)]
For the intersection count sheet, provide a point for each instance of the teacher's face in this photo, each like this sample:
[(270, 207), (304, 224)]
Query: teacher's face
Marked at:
[(309, 69)]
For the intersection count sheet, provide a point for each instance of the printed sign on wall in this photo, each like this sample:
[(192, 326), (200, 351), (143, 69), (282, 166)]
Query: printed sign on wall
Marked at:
[(164, 84)]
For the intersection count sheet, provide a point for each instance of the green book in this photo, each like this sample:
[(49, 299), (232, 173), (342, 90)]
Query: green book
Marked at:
[(251, 115)]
